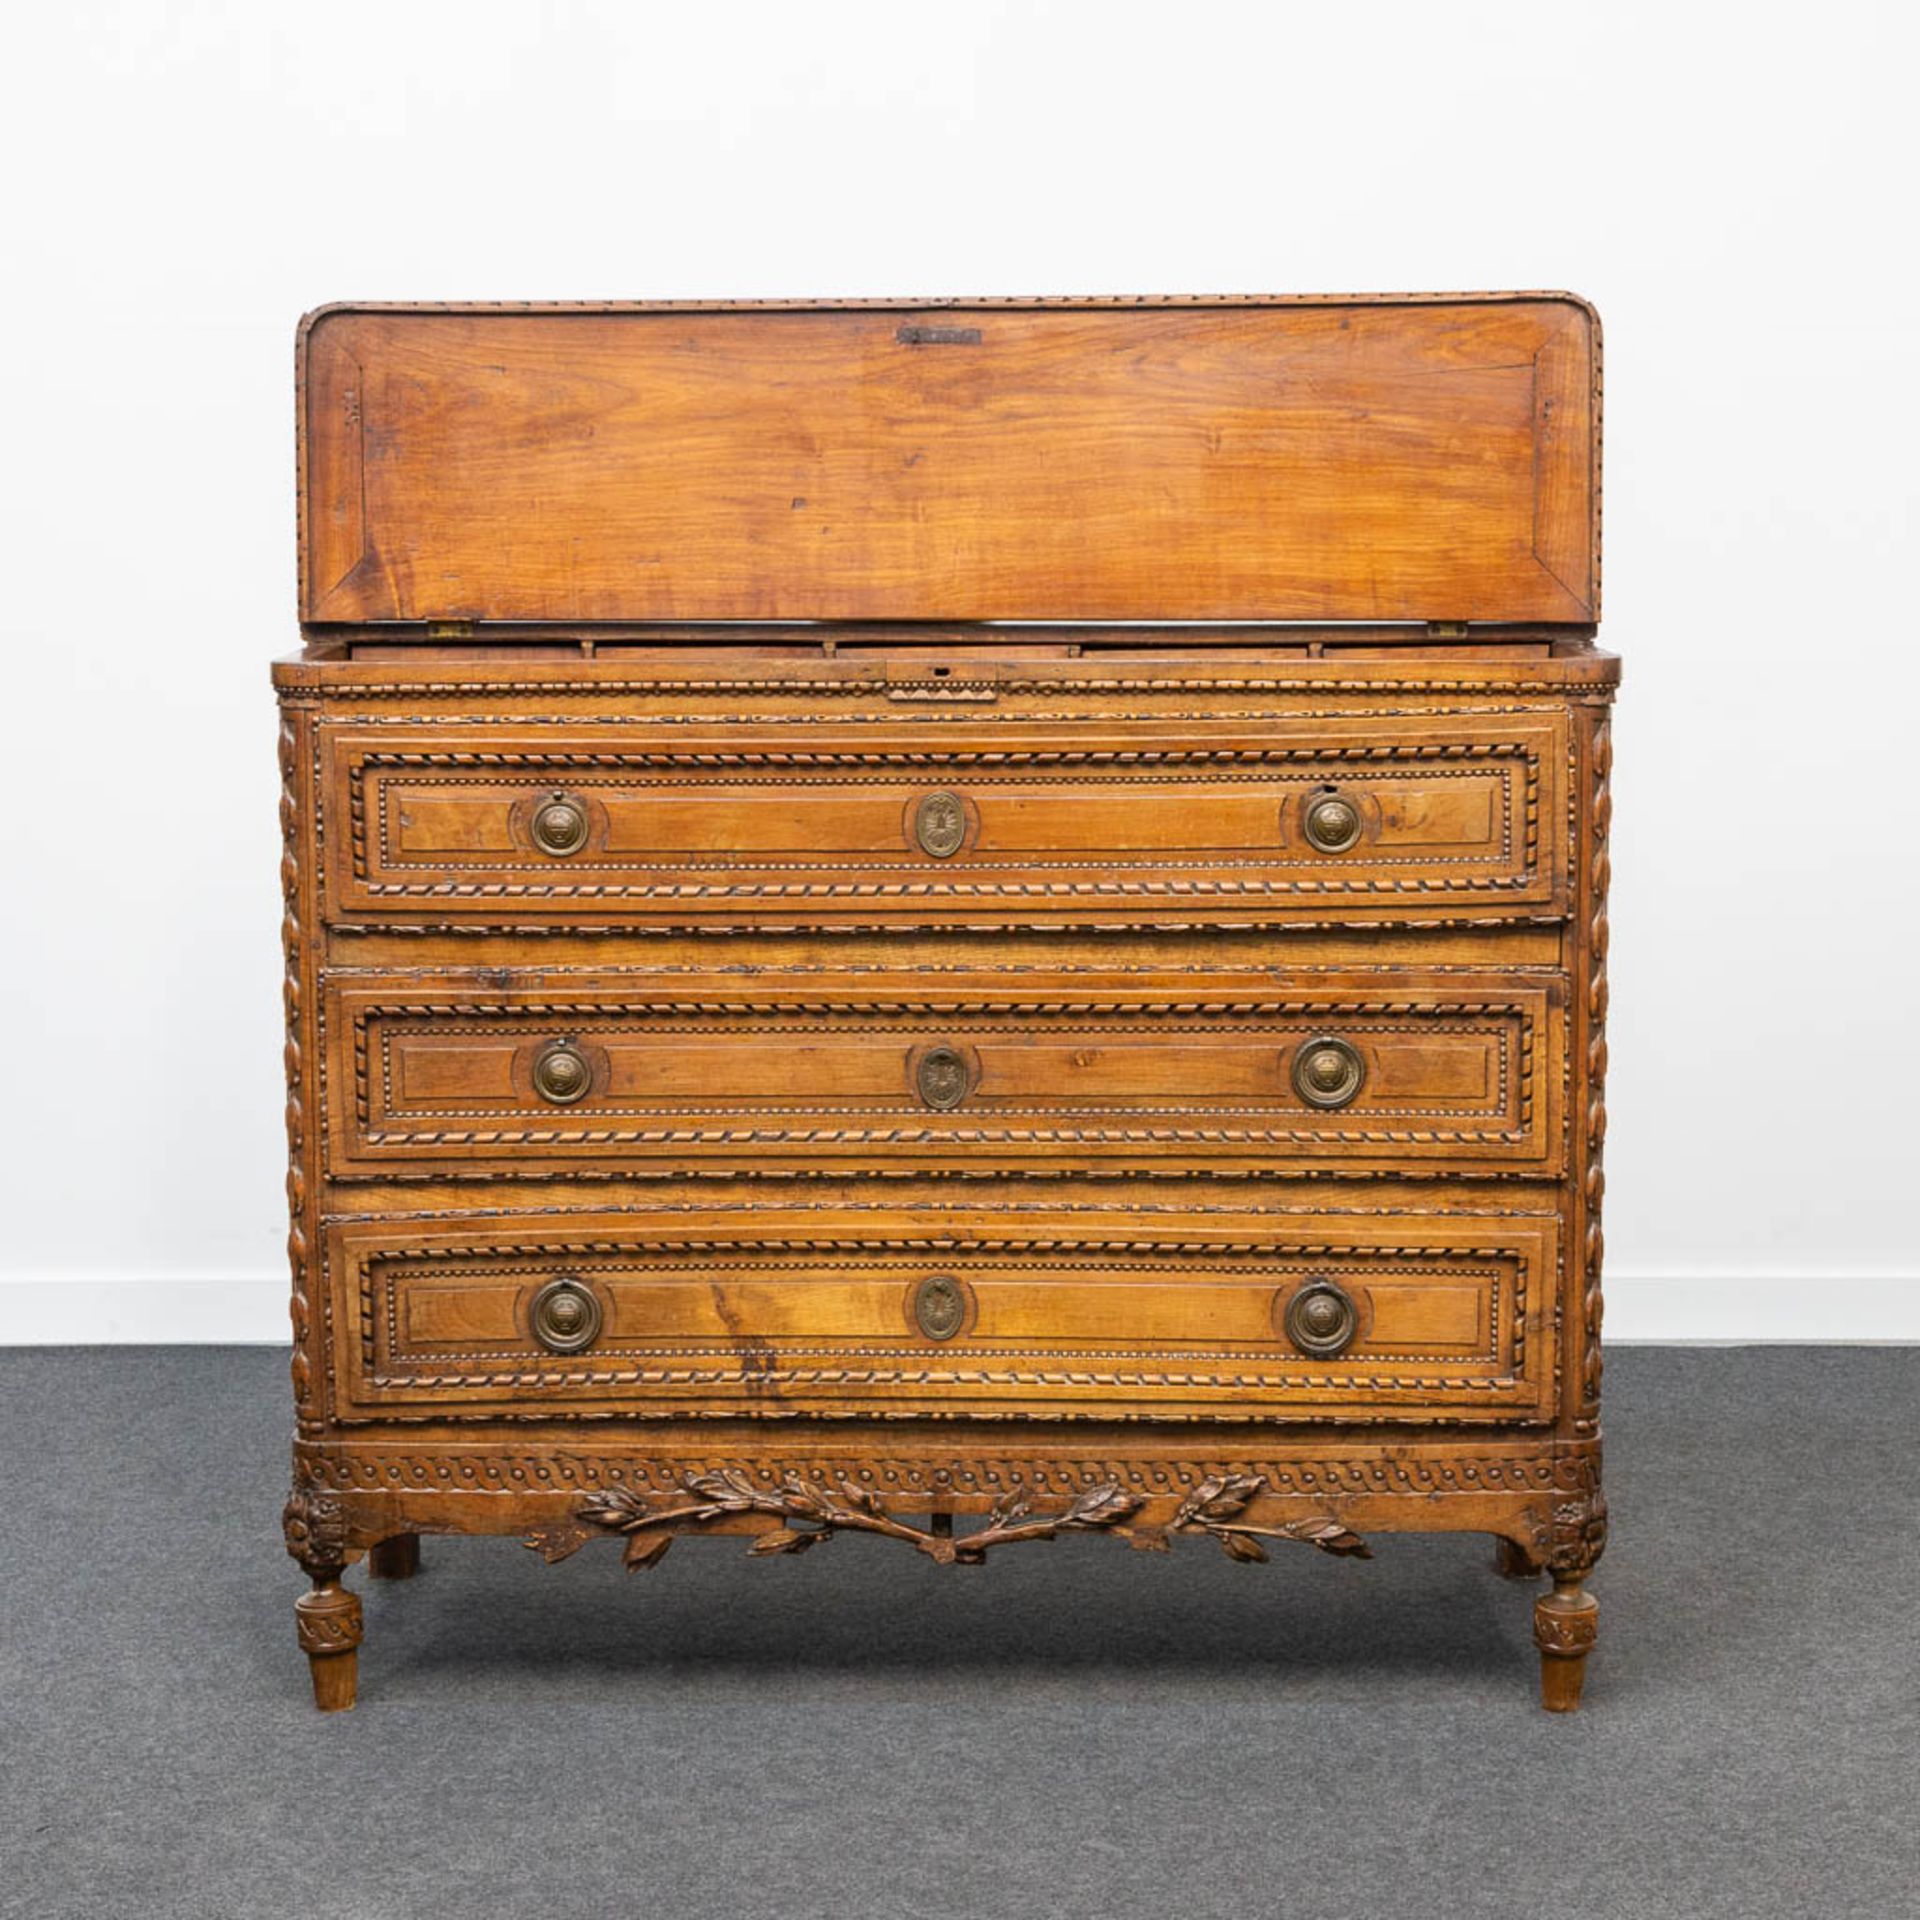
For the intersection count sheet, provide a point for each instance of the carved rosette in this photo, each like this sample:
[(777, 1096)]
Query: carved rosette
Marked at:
[(315, 1525), (1579, 1534)]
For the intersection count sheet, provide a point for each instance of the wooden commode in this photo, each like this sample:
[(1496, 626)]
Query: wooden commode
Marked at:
[(960, 921)]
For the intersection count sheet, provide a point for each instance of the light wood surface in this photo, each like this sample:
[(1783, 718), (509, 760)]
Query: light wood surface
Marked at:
[(1428, 460)]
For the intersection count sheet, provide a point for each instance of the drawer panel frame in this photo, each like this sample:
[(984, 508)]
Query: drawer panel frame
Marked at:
[(872, 1030), (1008, 778), (383, 1373)]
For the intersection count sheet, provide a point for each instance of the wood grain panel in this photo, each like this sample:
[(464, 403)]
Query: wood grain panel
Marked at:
[(1241, 460)]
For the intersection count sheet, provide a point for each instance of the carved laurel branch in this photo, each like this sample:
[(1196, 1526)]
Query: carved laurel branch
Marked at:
[(815, 1513)]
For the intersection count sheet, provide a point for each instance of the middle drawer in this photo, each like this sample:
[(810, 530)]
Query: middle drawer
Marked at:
[(1373, 1070)]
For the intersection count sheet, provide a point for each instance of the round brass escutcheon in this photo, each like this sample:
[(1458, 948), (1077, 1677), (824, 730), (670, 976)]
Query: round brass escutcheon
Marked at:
[(562, 1074), (565, 1316), (940, 824), (1321, 1319), (940, 1306), (1332, 821), (942, 1078), (1328, 1072), (560, 825)]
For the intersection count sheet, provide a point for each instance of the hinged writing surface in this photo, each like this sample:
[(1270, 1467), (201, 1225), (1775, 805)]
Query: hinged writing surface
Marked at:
[(1430, 459)]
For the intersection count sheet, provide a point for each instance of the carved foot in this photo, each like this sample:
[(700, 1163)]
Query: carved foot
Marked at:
[(1564, 1625), (395, 1559), (330, 1632), (1512, 1561)]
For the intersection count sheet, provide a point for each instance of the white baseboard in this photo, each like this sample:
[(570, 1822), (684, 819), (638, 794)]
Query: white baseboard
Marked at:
[(58, 1310)]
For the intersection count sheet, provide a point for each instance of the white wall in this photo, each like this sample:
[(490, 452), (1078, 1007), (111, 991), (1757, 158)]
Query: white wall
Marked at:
[(1731, 184)]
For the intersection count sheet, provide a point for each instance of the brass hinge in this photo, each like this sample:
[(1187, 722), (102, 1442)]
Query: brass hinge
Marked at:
[(1446, 629), (449, 629)]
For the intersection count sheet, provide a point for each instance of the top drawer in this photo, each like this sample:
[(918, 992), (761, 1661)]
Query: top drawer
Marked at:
[(1370, 819)]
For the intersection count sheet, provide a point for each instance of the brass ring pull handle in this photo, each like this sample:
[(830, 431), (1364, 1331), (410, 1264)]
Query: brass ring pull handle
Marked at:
[(1321, 1319), (565, 1316), (1328, 1072), (560, 825), (940, 825), (562, 1074), (942, 1078), (1331, 821)]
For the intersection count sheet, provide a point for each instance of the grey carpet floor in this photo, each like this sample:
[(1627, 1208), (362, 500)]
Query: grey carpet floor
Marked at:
[(1071, 1731)]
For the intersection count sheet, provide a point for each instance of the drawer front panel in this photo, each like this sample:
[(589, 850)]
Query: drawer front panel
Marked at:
[(580, 1071), (1447, 1318), (1378, 819)]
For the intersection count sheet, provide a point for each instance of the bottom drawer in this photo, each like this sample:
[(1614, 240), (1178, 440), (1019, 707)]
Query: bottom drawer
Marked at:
[(1270, 1314)]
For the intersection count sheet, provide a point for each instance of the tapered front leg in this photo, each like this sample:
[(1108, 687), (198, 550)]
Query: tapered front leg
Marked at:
[(330, 1634), (1565, 1622), (328, 1617)]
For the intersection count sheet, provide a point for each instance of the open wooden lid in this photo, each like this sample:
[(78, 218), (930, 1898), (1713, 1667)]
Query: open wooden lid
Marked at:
[(1428, 458)]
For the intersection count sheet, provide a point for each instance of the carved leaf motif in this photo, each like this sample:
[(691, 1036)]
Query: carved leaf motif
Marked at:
[(787, 1540), (617, 1509), (646, 1550), (554, 1544), (1212, 1507), (1218, 1497), (728, 1490), (1330, 1537), (1103, 1506)]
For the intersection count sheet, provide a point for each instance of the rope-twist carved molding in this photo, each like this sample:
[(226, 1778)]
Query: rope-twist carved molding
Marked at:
[(998, 761), (384, 1469), (293, 955), (1599, 876), (453, 687)]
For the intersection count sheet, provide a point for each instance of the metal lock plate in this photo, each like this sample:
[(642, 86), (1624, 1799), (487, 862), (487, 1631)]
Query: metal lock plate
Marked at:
[(940, 1306), (940, 824), (942, 1078)]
